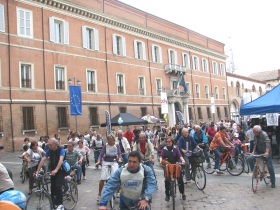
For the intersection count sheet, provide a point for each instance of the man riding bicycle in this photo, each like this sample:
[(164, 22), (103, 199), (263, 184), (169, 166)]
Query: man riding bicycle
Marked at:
[(124, 145), (220, 140), (137, 182), (262, 145)]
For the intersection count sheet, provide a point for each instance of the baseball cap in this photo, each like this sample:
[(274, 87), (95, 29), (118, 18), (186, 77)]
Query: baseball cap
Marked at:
[(236, 135)]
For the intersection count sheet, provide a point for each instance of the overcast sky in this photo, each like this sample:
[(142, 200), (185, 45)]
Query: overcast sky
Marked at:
[(252, 25)]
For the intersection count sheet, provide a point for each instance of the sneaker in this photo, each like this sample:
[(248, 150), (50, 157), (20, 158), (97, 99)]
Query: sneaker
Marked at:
[(272, 185), (184, 197), (209, 165), (98, 198), (79, 182), (219, 171), (60, 207), (118, 195), (187, 181), (167, 198), (85, 178)]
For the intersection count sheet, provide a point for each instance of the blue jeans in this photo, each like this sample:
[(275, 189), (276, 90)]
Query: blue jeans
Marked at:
[(217, 158), (125, 158), (96, 155), (78, 171), (126, 203), (269, 164)]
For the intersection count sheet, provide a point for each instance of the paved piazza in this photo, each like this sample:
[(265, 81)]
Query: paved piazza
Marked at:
[(221, 192)]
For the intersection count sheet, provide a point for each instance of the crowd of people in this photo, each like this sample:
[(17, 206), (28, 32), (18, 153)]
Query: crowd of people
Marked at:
[(133, 152)]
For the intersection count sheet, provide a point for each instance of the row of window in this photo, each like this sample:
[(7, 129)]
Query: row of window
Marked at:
[(59, 33), (27, 81), (208, 111)]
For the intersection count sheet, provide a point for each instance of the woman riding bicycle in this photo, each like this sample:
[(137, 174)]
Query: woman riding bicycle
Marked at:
[(110, 153), (97, 146), (220, 140), (33, 156), (172, 154), (84, 150)]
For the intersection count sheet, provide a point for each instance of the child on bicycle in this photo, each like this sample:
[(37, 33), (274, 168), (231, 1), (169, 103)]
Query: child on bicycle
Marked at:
[(237, 145)]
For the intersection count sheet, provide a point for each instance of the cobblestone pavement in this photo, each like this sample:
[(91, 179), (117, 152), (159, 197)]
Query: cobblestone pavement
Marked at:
[(221, 192)]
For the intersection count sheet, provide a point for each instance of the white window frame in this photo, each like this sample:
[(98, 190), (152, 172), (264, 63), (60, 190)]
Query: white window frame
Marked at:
[(156, 54), (123, 81), (224, 93), (65, 76), (216, 93), (172, 56), (215, 67), (122, 46), (206, 90), (188, 87), (195, 65), (90, 41), (158, 89), (197, 91), (19, 26), (95, 80), (64, 33), (31, 74), (205, 69), (144, 86), (186, 60), (2, 18), (223, 69), (139, 50)]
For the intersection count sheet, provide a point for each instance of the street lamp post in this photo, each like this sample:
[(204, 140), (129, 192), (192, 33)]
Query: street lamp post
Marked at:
[(78, 83)]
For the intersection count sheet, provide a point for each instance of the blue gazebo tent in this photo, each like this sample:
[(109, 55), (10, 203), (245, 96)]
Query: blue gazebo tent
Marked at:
[(267, 103)]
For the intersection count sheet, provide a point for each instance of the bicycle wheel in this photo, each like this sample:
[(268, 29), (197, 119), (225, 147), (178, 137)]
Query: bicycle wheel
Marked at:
[(235, 168), (209, 169), (255, 179), (265, 178), (70, 197), (200, 177), (23, 174), (246, 165), (112, 202), (172, 189), (39, 200)]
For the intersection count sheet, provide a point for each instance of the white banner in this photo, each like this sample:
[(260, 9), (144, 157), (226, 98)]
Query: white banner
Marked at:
[(164, 103), (272, 119)]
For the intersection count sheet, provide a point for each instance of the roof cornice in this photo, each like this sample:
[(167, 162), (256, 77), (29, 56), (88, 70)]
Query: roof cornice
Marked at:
[(113, 21)]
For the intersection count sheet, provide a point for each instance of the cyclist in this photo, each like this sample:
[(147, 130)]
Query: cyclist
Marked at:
[(73, 156), (137, 181), (262, 145), (110, 152), (55, 154), (97, 146), (124, 145), (172, 154), (201, 139), (220, 140), (186, 145)]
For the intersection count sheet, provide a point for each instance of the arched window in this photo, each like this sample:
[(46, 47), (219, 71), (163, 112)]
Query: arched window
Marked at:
[(237, 88), (260, 89), (253, 88), (242, 86)]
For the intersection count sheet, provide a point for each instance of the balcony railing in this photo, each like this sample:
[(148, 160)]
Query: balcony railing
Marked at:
[(60, 85), (26, 83), (158, 92), (91, 87), (174, 68), (141, 91), (120, 89)]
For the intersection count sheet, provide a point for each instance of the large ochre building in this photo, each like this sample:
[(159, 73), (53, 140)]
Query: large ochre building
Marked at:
[(122, 57)]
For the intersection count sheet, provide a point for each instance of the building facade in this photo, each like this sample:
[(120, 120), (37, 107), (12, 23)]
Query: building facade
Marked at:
[(123, 58), (242, 90), (271, 78)]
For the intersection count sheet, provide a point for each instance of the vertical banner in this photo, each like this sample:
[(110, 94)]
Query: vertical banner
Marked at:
[(180, 119), (108, 123), (75, 100), (212, 105), (272, 119), (164, 103)]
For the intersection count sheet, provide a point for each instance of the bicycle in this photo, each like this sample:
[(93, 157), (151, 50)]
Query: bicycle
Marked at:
[(198, 174), (41, 198), (245, 160), (24, 170), (259, 172), (172, 173), (235, 168)]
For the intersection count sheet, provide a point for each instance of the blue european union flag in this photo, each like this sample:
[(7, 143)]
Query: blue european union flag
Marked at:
[(183, 83), (75, 100)]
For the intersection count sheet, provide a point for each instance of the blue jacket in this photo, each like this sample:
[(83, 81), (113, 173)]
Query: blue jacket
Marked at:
[(149, 187), (182, 143), (203, 137)]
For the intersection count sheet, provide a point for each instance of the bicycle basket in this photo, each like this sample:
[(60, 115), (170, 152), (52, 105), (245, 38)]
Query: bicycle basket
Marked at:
[(197, 157), (172, 171)]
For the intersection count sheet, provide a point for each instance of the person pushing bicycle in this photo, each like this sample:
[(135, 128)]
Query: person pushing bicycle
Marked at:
[(137, 183)]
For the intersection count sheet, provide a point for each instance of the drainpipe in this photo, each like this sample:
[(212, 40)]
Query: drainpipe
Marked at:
[(192, 87), (10, 82), (44, 70)]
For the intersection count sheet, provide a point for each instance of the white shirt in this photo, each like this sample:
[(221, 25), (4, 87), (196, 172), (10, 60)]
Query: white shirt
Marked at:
[(125, 144)]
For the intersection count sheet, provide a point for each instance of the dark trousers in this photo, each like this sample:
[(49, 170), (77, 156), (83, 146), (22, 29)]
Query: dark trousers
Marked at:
[(56, 188), (31, 171), (181, 186), (84, 168)]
